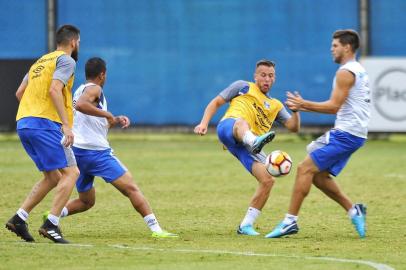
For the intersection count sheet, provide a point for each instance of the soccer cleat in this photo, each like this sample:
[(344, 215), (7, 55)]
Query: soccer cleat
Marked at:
[(20, 228), (283, 229), (359, 219), (164, 234), (260, 141), (52, 232), (247, 230)]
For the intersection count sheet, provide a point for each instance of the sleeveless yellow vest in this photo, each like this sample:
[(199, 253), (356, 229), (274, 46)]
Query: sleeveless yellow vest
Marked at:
[(256, 108), (36, 101)]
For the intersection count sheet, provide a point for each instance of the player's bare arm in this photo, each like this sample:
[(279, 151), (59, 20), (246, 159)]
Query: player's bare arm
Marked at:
[(55, 91), (293, 123), (344, 81), (209, 112), (21, 89), (87, 104)]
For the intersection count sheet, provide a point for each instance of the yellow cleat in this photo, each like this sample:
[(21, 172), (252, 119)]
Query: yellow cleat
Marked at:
[(164, 234)]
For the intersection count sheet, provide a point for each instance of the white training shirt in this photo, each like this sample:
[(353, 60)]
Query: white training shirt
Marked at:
[(354, 114), (90, 131)]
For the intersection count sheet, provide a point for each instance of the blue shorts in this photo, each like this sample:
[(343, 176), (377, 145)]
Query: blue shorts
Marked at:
[(45, 149), (331, 151), (93, 163), (225, 134)]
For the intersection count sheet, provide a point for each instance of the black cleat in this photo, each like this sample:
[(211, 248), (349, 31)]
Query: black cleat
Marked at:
[(20, 228), (52, 232)]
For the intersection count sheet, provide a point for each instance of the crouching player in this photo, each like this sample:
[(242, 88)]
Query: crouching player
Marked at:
[(93, 153)]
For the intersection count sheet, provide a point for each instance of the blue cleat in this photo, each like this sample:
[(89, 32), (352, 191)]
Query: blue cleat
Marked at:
[(359, 220), (261, 141), (247, 230), (283, 229)]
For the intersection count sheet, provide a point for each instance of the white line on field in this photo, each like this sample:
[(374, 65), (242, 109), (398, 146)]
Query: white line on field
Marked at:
[(394, 175), (378, 266)]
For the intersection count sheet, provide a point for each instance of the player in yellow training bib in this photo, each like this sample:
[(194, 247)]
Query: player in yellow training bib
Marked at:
[(44, 125), (246, 128)]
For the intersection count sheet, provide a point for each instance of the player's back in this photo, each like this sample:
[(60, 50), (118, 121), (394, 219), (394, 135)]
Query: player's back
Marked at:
[(90, 131)]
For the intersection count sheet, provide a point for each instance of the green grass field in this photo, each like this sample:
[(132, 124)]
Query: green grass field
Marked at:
[(201, 192)]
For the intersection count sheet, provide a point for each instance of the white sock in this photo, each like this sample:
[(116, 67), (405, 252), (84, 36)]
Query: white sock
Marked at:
[(289, 219), (352, 212), (64, 212), (22, 214), (250, 217), (249, 138), (54, 219), (152, 223)]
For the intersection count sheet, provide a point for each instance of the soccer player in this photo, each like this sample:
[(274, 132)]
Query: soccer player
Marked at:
[(350, 101), (44, 122), (93, 153), (245, 129)]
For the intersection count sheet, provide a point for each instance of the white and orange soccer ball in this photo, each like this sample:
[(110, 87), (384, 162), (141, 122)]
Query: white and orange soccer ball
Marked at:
[(278, 163)]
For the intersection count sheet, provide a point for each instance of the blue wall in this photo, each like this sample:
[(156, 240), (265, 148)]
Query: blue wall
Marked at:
[(388, 20), (168, 59), (22, 29)]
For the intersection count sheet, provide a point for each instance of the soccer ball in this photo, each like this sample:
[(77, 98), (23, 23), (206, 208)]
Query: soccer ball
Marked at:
[(278, 163)]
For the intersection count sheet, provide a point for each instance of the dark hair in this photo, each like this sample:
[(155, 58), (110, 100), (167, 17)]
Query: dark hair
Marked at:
[(265, 62), (94, 66), (348, 36), (66, 33)]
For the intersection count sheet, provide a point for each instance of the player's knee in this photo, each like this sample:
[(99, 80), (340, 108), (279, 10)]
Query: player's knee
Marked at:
[(130, 190), (75, 173), (239, 126), (268, 181), (303, 168), (71, 173), (53, 179), (89, 203)]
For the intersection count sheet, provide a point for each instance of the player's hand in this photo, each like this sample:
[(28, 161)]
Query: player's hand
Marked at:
[(201, 129), (294, 101), (68, 136), (123, 120)]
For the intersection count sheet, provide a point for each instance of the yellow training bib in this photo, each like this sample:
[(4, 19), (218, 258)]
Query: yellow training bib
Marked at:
[(36, 101), (256, 108)]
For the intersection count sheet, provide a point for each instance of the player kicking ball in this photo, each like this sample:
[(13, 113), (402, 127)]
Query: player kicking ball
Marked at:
[(246, 128), (93, 153)]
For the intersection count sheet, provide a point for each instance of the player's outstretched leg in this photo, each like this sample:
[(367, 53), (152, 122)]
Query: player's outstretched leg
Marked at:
[(18, 226), (261, 141), (359, 219), (126, 185), (243, 133)]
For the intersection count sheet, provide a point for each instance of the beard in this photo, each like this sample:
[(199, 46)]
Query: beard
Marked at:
[(338, 59), (75, 54)]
